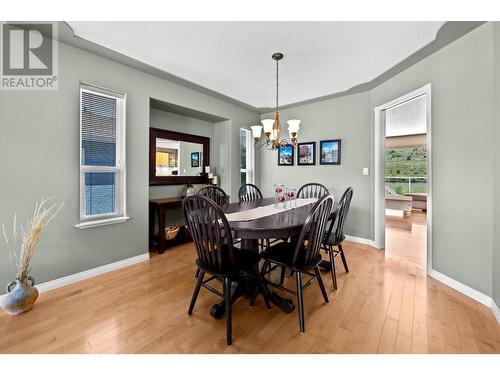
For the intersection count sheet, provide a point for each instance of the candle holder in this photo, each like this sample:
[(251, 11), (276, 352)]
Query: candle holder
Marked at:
[(279, 195), (291, 194)]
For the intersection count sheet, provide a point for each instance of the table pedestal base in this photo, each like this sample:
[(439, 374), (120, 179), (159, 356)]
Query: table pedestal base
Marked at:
[(217, 311), (246, 286), (325, 265)]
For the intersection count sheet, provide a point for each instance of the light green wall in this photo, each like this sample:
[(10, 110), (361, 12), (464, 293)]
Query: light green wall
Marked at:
[(39, 135), (346, 118), (496, 171), (461, 75)]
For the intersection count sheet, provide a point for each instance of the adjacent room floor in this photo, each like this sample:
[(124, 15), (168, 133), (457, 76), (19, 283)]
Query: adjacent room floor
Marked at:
[(384, 305), (406, 236)]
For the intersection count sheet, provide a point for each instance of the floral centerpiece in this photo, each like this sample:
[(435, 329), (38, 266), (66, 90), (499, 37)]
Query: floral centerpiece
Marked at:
[(283, 195)]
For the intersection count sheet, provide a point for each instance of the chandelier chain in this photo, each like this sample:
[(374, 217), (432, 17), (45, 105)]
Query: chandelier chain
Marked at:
[(277, 86)]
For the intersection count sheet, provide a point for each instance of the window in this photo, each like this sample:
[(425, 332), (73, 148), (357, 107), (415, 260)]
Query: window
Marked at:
[(102, 157), (246, 157)]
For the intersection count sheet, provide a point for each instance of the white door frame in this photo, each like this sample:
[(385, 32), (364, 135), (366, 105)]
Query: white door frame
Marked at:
[(379, 158)]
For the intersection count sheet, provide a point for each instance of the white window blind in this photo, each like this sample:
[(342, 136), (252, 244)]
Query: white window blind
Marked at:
[(102, 155)]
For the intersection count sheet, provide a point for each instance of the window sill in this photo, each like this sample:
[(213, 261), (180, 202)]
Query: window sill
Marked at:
[(100, 223)]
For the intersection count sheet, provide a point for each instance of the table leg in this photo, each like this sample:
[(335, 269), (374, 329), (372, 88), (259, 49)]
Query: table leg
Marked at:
[(246, 287), (161, 230)]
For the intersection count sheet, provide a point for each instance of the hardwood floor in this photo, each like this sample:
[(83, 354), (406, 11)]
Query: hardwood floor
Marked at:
[(384, 305), (406, 236)]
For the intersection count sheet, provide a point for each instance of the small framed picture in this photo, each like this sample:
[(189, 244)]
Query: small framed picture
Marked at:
[(195, 159), (329, 152), (307, 153), (286, 155)]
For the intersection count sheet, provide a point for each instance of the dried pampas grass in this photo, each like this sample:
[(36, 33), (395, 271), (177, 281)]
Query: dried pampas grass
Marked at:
[(29, 235)]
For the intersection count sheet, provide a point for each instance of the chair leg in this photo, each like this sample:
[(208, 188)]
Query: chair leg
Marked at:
[(227, 299), (332, 267), (197, 273), (343, 258), (282, 276), (254, 296), (196, 291), (264, 267), (321, 285), (300, 302), (259, 286), (268, 243), (263, 289)]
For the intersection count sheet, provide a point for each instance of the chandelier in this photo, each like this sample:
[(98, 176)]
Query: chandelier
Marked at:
[(272, 127)]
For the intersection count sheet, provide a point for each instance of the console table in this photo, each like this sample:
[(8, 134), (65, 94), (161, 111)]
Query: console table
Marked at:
[(157, 210)]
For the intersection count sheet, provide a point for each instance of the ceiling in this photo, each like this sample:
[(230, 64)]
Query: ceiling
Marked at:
[(407, 118), (234, 58)]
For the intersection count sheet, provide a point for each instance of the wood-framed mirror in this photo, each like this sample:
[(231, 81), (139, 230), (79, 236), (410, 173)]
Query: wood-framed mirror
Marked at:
[(177, 158)]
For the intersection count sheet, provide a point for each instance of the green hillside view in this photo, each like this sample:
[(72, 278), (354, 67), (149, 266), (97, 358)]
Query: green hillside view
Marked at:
[(406, 162)]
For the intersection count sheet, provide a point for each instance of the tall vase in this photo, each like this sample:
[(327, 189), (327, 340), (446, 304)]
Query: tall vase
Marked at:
[(21, 296)]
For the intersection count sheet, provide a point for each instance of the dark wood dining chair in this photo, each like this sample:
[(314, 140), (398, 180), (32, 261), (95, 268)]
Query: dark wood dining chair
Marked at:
[(312, 190), (303, 256), (309, 190), (249, 192), (215, 193), (332, 241), (217, 257)]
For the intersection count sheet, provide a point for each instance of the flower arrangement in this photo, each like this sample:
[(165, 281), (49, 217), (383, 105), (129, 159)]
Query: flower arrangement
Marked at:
[(25, 239), (283, 194)]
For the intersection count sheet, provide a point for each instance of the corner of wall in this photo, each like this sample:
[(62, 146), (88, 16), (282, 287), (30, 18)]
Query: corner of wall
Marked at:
[(496, 170)]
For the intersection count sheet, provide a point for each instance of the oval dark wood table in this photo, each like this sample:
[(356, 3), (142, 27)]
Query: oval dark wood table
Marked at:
[(284, 224)]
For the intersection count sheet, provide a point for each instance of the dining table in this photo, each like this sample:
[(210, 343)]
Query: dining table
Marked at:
[(276, 223)]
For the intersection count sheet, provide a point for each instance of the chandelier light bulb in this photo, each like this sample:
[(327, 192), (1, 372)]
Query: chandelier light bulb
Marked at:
[(268, 126), (293, 127), (256, 131)]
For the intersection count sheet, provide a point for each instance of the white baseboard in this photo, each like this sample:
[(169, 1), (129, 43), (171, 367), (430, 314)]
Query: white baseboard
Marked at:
[(495, 310), (70, 279), (362, 240), (462, 288)]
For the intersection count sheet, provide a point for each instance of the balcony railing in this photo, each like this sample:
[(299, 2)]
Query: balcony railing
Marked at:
[(398, 185)]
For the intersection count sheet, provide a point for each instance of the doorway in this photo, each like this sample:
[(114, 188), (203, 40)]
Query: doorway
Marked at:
[(403, 177)]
